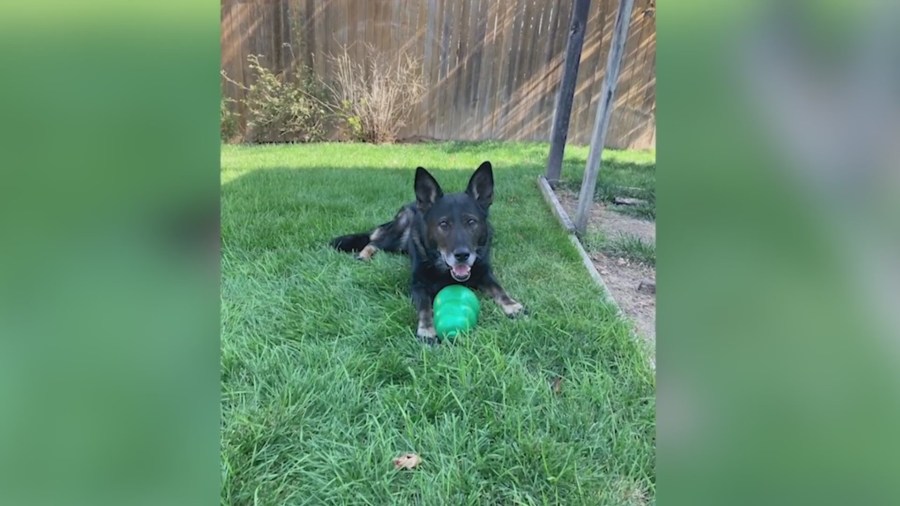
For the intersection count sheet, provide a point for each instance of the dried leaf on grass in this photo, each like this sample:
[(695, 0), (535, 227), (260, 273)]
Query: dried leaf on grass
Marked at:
[(407, 461), (556, 385)]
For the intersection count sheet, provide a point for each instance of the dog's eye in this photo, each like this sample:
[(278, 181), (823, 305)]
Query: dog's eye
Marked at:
[(444, 225), (471, 222)]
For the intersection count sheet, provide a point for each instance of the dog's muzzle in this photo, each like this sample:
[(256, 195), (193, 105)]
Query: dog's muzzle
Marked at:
[(460, 264)]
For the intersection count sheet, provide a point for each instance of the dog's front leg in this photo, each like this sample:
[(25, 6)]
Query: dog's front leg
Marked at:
[(422, 300), (509, 305)]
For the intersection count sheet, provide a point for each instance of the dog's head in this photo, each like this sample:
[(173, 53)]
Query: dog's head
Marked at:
[(456, 223)]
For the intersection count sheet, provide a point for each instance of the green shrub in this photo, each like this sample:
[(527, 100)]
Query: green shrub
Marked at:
[(229, 121), (283, 107)]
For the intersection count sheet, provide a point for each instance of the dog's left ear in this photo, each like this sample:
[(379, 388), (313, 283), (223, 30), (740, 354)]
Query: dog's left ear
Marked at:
[(481, 185)]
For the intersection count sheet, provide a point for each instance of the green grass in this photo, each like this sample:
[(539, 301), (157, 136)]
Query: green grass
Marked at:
[(622, 174), (324, 382), (627, 246)]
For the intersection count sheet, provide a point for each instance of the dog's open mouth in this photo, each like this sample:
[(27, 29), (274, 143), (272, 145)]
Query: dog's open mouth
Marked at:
[(461, 272)]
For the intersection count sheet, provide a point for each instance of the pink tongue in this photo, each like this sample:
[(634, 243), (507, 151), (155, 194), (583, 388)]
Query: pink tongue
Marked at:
[(461, 270)]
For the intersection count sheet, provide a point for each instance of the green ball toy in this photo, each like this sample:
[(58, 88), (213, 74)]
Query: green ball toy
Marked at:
[(456, 310)]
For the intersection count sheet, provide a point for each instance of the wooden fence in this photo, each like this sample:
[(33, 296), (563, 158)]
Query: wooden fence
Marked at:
[(492, 68)]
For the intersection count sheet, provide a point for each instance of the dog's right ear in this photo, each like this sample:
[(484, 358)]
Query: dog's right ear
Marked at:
[(481, 185), (427, 189)]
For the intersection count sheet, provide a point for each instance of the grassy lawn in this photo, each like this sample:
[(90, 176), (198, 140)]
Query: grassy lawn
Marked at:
[(324, 382), (626, 246), (623, 174)]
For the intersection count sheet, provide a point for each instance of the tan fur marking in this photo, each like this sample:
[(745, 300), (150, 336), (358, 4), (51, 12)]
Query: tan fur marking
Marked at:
[(426, 325), (403, 217), (510, 307), (368, 252)]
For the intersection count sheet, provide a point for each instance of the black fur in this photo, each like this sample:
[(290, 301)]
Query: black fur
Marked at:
[(352, 243), (448, 239)]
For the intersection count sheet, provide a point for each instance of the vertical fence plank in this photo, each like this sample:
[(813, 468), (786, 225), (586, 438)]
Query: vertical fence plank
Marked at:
[(417, 48), (440, 106), (461, 72), (500, 67), (352, 27), (549, 70), (429, 65), (585, 88), (532, 75), (481, 59)]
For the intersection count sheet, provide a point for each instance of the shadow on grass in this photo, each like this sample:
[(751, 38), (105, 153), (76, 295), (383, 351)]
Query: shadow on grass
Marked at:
[(482, 146), (264, 208), (617, 178)]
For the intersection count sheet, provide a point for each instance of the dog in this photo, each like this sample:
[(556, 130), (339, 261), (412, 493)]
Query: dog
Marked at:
[(448, 239)]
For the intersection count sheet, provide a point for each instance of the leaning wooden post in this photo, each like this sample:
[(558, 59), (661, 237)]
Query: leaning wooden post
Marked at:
[(604, 111), (563, 110)]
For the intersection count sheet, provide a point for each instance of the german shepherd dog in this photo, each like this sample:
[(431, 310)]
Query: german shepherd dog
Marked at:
[(448, 240)]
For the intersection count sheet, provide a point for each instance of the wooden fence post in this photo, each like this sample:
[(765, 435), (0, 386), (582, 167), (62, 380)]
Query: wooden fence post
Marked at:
[(604, 111), (563, 110)]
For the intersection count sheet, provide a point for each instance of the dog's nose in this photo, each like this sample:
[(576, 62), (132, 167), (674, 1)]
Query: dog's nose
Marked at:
[(461, 255)]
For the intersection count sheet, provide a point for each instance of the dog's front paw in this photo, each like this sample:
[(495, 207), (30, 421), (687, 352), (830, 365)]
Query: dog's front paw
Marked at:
[(367, 253), (427, 334), (513, 309)]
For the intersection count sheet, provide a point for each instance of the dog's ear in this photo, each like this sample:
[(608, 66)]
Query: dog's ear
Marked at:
[(427, 189), (481, 185)]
